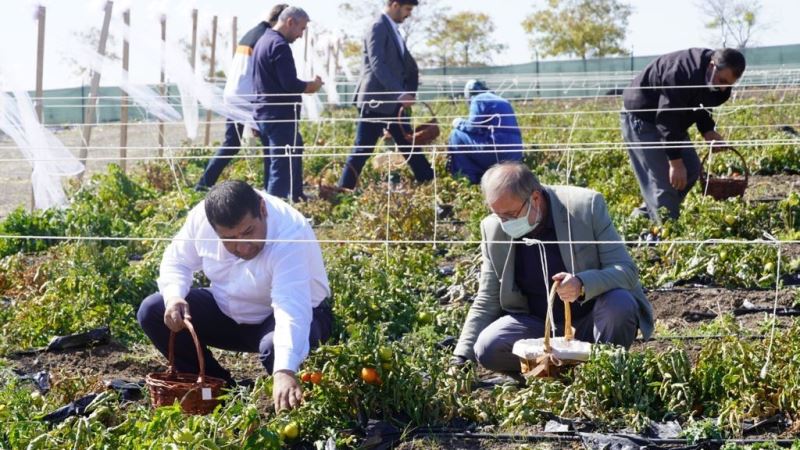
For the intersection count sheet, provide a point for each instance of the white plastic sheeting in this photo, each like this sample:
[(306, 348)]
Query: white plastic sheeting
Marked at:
[(50, 159)]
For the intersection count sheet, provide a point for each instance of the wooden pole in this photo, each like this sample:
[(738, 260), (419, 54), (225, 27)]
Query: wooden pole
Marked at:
[(211, 71), (41, 16), (123, 115), (163, 81), (90, 113), (194, 38), (40, 65), (235, 34)]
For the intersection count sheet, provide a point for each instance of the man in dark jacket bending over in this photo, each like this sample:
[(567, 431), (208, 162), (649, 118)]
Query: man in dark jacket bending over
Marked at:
[(663, 101)]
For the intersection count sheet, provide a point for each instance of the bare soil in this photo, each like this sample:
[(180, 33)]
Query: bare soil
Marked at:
[(15, 175)]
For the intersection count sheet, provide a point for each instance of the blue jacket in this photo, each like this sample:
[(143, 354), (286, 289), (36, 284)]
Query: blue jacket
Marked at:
[(487, 111), (488, 136)]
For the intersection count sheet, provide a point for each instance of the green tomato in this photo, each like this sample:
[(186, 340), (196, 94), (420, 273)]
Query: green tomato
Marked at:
[(291, 430), (385, 354), (424, 317), (729, 219)]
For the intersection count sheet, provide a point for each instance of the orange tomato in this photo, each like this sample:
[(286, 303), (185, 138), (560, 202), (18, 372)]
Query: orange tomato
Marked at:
[(370, 375), (316, 377), (305, 377)]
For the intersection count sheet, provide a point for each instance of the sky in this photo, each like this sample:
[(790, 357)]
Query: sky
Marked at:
[(656, 27)]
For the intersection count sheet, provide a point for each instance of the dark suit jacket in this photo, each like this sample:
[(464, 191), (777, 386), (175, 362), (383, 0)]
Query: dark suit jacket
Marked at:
[(386, 71)]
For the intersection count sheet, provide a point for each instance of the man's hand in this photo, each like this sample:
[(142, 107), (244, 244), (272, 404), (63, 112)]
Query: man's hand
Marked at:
[(177, 310), (677, 174), (457, 363), (717, 139), (286, 391), (407, 100), (570, 288), (314, 86)]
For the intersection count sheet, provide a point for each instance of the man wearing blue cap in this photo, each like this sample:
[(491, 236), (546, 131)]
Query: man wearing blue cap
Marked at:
[(489, 135)]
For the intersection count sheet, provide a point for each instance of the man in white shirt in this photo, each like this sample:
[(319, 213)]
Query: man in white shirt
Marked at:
[(268, 294)]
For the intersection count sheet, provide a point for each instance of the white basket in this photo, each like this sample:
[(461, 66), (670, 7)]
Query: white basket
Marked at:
[(561, 348)]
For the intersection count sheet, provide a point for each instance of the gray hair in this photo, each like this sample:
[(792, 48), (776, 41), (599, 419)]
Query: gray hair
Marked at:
[(293, 12), (509, 177)]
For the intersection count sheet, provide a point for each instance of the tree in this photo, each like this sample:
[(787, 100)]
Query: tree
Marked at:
[(585, 28), (463, 39), (736, 21)]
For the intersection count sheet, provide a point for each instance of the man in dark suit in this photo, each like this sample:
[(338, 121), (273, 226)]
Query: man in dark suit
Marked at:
[(389, 81)]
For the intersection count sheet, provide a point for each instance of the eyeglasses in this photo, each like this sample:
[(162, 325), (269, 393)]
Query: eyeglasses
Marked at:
[(506, 218)]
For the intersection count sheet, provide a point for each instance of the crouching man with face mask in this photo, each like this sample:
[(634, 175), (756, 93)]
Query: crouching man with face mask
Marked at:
[(525, 248)]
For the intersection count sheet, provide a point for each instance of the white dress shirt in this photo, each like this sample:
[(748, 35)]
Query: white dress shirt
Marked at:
[(397, 34), (287, 279)]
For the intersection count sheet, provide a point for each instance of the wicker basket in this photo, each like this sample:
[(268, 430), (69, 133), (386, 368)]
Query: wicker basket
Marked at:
[(425, 133), (327, 181), (722, 188), (197, 394), (546, 357)]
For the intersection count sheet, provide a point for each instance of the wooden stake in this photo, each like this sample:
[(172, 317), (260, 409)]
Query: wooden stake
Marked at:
[(90, 115), (211, 71), (123, 115), (194, 38), (235, 34), (42, 14), (163, 81), (40, 65)]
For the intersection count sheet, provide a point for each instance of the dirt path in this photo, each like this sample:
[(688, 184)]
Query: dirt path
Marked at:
[(142, 142)]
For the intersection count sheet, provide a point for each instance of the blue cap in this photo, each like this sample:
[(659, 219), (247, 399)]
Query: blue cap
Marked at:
[(473, 88)]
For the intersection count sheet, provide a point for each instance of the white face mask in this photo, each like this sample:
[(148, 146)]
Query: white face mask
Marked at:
[(710, 80), (516, 228)]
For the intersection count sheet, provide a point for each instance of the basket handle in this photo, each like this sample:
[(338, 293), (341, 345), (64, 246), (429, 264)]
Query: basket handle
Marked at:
[(200, 359), (425, 104), (744, 162), (568, 335)]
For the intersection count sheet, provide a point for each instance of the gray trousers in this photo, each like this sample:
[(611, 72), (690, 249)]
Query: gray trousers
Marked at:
[(612, 320), (651, 166)]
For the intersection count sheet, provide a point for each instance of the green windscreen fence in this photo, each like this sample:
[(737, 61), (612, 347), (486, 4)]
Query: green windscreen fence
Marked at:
[(777, 66)]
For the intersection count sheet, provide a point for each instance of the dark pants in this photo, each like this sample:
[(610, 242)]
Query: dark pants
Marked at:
[(651, 166), (285, 146), (215, 329), (370, 129), (612, 320), (223, 157)]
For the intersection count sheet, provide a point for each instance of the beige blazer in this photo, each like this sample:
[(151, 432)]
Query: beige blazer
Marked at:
[(601, 267)]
